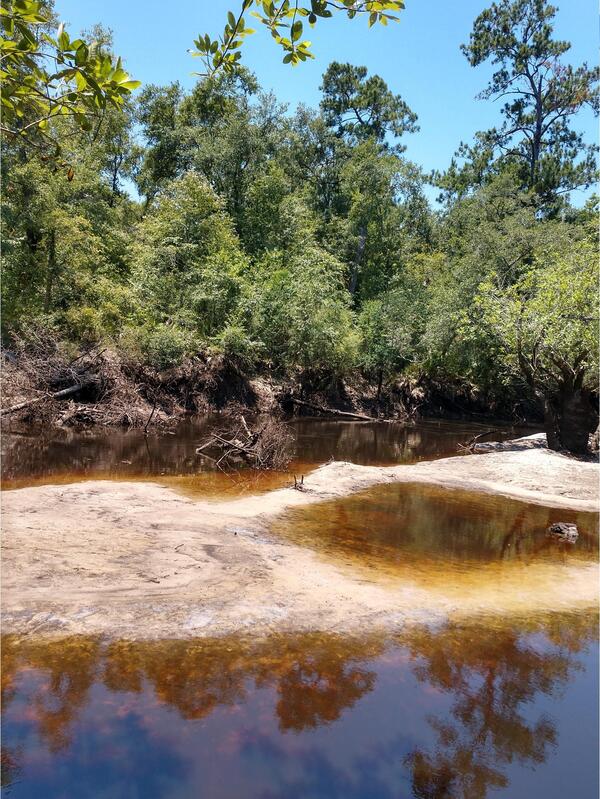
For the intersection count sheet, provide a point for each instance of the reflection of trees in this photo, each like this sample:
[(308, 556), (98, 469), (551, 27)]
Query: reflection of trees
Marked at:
[(116, 452), (493, 675), (320, 681), (69, 671), (194, 677), (491, 672), (432, 525), (10, 765), (315, 677), (108, 452)]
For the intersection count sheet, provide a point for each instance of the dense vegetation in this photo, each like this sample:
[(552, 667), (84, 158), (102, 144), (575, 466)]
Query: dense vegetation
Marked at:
[(305, 240)]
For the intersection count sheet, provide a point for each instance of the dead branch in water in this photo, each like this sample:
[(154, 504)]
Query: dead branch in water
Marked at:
[(334, 412), (299, 486), (266, 447), (470, 445)]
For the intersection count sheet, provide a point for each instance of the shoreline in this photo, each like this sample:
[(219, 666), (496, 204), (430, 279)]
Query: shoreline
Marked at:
[(140, 561)]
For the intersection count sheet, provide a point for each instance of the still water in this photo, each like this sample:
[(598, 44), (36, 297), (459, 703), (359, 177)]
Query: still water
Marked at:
[(496, 704), (494, 709), (41, 456), (412, 525)]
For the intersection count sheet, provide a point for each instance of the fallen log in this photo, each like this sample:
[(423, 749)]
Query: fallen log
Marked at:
[(333, 411), (57, 395)]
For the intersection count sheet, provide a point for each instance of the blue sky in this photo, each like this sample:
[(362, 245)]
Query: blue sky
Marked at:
[(419, 57)]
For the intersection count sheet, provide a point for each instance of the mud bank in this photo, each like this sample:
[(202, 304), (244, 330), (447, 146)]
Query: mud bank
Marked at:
[(137, 560)]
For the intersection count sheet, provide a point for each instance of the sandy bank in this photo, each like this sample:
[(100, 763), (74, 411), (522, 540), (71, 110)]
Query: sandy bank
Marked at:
[(138, 560)]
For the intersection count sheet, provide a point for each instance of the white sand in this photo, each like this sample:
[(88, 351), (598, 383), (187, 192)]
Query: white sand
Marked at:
[(138, 560)]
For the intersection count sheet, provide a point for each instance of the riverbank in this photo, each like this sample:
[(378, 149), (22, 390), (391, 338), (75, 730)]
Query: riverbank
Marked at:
[(137, 560), (99, 387)]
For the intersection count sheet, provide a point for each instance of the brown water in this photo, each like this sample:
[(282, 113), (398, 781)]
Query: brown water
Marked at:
[(495, 709), (503, 703), (41, 457), (450, 551), (412, 526)]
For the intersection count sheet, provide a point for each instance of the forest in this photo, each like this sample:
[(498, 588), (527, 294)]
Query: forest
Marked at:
[(183, 237)]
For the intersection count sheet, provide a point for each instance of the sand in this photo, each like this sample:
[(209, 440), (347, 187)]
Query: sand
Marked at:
[(139, 561)]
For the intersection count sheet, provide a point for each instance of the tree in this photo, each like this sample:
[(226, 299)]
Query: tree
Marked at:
[(223, 129), (547, 323), (283, 19), (543, 95), (187, 260), (300, 308), (64, 242), (360, 108), (47, 76)]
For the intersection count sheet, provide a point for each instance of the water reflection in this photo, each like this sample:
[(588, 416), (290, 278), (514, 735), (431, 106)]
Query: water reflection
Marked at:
[(427, 527), (492, 676), (43, 456), (460, 711)]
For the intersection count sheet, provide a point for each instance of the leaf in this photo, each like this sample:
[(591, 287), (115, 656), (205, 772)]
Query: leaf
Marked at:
[(296, 30), (81, 55), (130, 85)]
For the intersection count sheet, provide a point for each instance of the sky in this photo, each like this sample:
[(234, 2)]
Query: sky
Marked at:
[(419, 58)]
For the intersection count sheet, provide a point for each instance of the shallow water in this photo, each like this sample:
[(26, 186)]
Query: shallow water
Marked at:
[(410, 526), (498, 705), (68, 456), (455, 552), (495, 709)]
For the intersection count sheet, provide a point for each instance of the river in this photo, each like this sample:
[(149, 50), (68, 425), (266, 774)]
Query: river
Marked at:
[(484, 705)]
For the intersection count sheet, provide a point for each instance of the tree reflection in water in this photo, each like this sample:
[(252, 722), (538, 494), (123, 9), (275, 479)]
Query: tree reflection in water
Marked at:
[(471, 689), (492, 674)]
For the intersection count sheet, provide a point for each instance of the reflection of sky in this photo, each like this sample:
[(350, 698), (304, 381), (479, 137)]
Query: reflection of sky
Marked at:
[(129, 745)]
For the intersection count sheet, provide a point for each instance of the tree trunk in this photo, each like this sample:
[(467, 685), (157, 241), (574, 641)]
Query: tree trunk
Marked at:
[(334, 411), (379, 385), (569, 418), (51, 271), (63, 394), (356, 265)]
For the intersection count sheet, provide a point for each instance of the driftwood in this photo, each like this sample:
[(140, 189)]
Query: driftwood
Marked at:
[(470, 445), (267, 447), (57, 395), (299, 486), (334, 412)]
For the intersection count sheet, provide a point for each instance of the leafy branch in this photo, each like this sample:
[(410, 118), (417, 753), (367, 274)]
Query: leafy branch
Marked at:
[(284, 21), (45, 76)]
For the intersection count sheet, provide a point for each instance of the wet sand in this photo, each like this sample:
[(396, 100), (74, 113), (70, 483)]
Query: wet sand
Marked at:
[(137, 560)]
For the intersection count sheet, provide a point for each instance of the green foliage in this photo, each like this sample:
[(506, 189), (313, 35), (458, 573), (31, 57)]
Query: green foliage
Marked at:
[(300, 311), (187, 264), (217, 130), (306, 241), (547, 321), (46, 75), (234, 342), (61, 239), (542, 95), (285, 22), (361, 108), (160, 346)]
